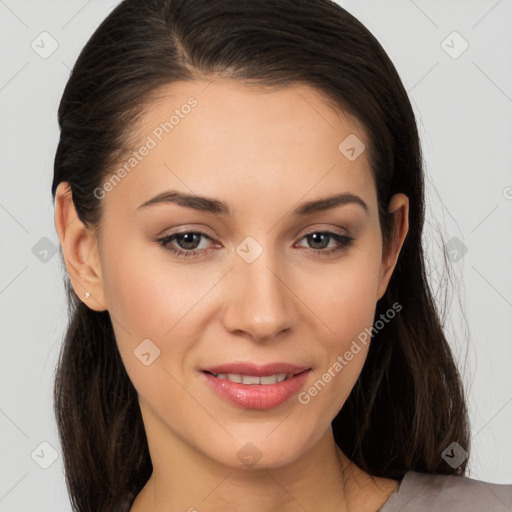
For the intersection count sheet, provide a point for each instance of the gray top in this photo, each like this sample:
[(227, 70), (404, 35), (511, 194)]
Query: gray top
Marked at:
[(421, 492)]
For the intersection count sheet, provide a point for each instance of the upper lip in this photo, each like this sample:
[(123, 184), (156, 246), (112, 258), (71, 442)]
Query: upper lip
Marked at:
[(246, 368)]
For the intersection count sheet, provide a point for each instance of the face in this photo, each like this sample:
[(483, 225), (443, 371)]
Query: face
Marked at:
[(193, 286)]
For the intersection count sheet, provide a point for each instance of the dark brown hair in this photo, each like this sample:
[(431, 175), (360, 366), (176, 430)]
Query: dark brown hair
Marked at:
[(408, 404)]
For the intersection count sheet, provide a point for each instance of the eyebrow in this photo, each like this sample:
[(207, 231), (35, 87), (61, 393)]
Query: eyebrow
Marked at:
[(217, 207)]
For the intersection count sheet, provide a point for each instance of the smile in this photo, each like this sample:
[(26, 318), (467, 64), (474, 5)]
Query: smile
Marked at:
[(257, 388), (254, 379)]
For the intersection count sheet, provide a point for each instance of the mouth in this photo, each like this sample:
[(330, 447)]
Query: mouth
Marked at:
[(254, 379), (250, 386)]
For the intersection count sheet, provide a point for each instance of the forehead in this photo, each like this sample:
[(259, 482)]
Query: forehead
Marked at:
[(223, 103), (223, 136)]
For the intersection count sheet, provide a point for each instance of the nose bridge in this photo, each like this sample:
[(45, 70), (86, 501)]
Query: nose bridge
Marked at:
[(260, 303)]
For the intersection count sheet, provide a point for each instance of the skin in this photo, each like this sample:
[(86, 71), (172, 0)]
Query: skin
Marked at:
[(262, 152)]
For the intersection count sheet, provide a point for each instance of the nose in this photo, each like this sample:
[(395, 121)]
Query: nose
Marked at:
[(259, 304)]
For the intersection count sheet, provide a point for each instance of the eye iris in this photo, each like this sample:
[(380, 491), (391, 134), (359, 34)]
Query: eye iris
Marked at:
[(190, 238), (314, 237)]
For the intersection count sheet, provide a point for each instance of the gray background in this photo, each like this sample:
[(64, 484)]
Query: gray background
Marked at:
[(464, 106)]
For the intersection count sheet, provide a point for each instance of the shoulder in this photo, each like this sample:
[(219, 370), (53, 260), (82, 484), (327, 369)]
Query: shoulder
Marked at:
[(422, 492)]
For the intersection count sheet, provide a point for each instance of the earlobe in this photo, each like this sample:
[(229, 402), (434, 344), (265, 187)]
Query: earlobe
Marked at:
[(80, 251), (399, 207)]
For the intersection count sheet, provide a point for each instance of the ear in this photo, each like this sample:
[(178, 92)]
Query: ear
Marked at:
[(80, 251), (399, 207)]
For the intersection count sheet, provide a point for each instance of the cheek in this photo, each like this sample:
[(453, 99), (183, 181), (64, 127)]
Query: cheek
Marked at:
[(345, 301), (130, 286), (345, 296), (144, 291), (151, 297)]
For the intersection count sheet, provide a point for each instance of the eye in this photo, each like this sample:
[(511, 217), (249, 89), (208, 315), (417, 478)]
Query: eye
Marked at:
[(186, 240), (319, 240), (187, 243)]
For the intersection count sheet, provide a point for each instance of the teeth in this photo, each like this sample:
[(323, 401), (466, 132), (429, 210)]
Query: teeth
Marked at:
[(253, 379)]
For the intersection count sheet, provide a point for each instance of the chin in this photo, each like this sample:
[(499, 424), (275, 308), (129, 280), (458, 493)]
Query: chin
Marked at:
[(261, 451)]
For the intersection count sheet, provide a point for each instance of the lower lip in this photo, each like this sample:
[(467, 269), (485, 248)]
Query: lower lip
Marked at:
[(257, 396)]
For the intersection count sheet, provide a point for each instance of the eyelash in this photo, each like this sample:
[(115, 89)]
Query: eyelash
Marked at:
[(343, 240)]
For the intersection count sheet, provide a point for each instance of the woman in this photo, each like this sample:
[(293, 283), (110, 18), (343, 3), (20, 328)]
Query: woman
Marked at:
[(239, 197)]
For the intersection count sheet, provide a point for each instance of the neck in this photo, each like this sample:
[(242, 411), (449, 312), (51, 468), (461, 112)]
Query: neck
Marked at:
[(321, 479)]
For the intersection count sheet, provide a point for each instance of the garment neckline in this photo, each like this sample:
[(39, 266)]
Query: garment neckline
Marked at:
[(394, 495)]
